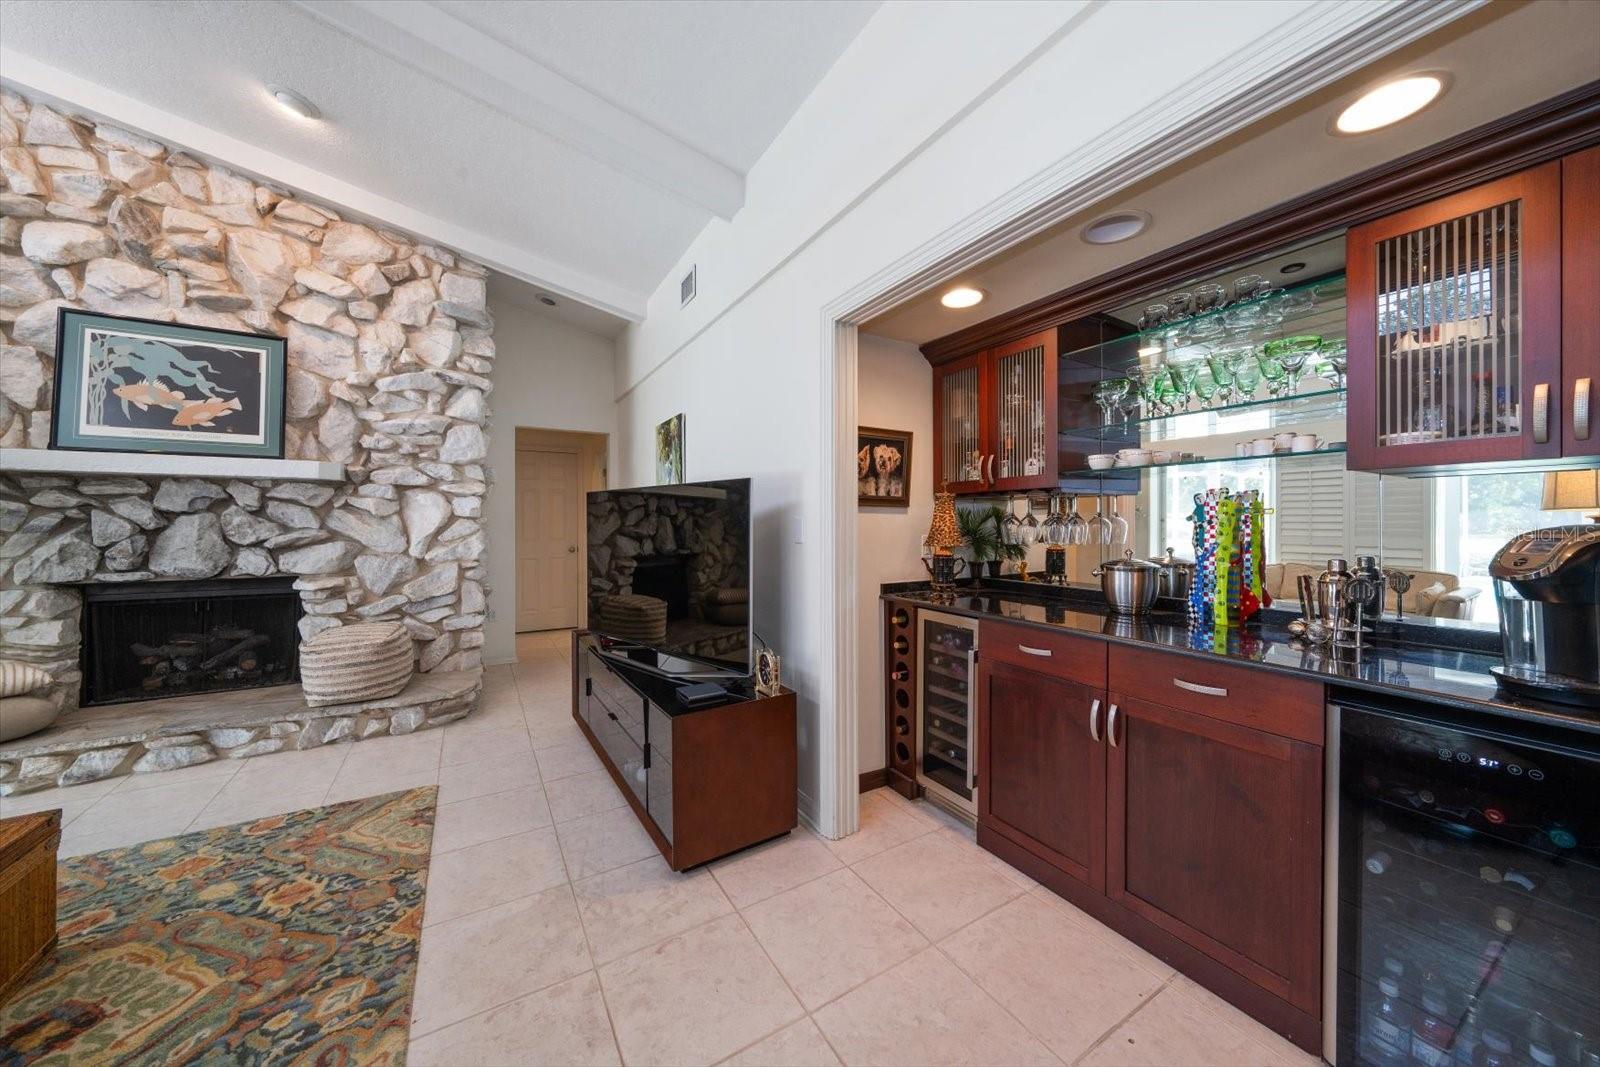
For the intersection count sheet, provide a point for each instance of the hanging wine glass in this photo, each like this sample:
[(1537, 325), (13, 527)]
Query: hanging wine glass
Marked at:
[(1076, 528), (1054, 530), (1099, 526), (1011, 528), (1119, 525), (1029, 530)]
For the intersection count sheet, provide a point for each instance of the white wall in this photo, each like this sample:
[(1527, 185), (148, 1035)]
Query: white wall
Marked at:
[(548, 375), (894, 391), (934, 113)]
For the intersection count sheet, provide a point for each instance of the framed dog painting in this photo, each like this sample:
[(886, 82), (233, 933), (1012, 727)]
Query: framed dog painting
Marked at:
[(883, 467), (136, 385)]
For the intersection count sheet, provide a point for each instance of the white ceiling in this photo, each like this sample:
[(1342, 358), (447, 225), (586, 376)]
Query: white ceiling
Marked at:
[(1503, 58), (580, 145)]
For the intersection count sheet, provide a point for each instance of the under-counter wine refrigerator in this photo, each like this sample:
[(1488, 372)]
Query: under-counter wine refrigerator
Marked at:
[(947, 709), (1464, 914)]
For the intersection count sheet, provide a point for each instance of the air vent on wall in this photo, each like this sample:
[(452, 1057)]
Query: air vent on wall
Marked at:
[(688, 286)]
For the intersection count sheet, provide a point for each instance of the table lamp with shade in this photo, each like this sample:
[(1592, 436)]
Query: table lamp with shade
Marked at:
[(944, 534), (1573, 491)]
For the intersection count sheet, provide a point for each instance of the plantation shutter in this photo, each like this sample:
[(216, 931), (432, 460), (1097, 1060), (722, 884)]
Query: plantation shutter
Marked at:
[(1310, 510), (1392, 519)]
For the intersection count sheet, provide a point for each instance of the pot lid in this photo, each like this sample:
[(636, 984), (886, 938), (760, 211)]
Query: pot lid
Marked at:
[(1170, 559), (1128, 563)]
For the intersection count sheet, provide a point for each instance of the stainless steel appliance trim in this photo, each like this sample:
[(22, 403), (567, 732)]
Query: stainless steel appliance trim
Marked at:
[(1030, 650), (1203, 690), (972, 717), (947, 798), (1094, 719), (1111, 726), (1580, 407), (1330, 886), (1541, 413)]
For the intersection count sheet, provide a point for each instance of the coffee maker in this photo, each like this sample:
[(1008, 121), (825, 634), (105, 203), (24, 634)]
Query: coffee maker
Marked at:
[(1547, 587)]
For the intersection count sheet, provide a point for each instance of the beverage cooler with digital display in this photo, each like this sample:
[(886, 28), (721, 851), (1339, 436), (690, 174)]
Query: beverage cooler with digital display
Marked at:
[(1466, 858)]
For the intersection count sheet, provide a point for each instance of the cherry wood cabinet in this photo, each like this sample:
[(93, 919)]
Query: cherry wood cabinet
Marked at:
[(1580, 303), (1043, 767), (1214, 834), (995, 417), (1472, 325)]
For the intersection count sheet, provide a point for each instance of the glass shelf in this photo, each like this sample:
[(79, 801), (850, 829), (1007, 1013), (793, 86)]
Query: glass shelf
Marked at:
[(1324, 318), (1276, 457), (1246, 416)]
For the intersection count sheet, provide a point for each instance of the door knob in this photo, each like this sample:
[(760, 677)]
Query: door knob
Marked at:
[(572, 548)]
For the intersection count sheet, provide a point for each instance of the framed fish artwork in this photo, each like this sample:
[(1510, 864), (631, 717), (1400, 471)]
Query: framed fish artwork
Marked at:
[(138, 385)]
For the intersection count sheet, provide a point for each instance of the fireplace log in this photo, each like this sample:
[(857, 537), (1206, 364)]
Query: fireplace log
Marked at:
[(234, 651)]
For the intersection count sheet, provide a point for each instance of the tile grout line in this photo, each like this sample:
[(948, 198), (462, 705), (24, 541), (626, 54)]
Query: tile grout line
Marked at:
[(1135, 1010)]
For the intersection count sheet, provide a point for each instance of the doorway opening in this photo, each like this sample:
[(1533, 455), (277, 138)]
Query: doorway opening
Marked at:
[(555, 470)]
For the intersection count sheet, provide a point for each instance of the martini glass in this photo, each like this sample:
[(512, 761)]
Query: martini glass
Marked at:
[(1181, 372), (1108, 393), (1338, 359), (1272, 372), (1293, 352)]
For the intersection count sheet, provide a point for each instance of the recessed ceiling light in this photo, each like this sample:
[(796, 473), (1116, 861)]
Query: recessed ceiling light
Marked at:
[(1291, 268), (1389, 103), (294, 103), (962, 296), (1118, 226)]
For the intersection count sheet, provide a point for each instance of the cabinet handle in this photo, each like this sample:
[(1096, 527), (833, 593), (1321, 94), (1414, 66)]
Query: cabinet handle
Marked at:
[(1541, 413), (989, 469), (1111, 726), (1580, 408), (1030, 650), (1094, 719), (1203, 690)]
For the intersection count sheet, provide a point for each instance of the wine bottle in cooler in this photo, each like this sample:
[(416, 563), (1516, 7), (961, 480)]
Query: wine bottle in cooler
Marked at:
[(1432, 1032), (1388, 1027)]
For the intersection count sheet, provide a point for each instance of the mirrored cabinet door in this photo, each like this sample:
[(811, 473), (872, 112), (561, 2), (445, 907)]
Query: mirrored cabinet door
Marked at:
[(1455, 328)]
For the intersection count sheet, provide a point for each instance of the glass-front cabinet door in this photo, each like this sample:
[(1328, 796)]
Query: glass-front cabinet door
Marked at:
[(960, 431), (1455, 328), (1023, 405)]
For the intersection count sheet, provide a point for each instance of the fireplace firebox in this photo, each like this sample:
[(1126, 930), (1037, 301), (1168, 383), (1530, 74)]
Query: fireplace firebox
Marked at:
[(145, 640)]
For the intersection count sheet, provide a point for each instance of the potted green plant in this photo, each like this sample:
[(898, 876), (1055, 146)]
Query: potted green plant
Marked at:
[(982, 528)]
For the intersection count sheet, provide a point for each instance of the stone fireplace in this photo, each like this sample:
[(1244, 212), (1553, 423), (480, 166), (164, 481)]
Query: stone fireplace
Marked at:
[(375, 514)]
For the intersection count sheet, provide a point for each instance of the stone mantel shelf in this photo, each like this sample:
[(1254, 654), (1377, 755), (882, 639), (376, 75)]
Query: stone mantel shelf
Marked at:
[(156, 465)]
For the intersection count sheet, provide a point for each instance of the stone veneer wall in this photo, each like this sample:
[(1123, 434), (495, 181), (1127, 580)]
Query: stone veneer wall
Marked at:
[(389, 351)]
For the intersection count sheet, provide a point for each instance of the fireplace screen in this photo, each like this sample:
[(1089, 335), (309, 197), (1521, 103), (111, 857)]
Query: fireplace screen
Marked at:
[(153, 639)]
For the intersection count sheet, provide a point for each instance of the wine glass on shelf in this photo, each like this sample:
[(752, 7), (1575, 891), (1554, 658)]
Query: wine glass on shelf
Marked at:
[(1219, 361), (1108, 393), (1293, 352), (1099, 527), (1137, 395), (1246, 372), (1273, 374), (1337, 358), (1181, 371)]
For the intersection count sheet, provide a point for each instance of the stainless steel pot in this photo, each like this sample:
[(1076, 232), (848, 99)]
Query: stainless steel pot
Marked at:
[(1177, 575), (1129, 585)]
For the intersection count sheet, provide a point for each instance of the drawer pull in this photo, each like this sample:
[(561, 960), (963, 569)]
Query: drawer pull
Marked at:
[(1111, 726), (1203, 690), (1094, 719), (1030, 650)]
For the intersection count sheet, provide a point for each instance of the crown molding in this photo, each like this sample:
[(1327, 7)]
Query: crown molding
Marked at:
[(430, 40)]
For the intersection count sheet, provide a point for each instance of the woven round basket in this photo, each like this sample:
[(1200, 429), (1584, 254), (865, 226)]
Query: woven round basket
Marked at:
[(363, 661), (632, 615)]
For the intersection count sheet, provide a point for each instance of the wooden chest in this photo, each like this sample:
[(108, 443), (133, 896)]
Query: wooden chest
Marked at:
[(28, 846)]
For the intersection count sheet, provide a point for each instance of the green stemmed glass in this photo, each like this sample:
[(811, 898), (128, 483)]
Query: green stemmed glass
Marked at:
[(1205, 386), (1293, 352), (1246, 372), (1181, 373), (1272, 372), (1220, 362), (1337, 359)]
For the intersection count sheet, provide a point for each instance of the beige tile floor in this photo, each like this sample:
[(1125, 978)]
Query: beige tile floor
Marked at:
[(555, 934)]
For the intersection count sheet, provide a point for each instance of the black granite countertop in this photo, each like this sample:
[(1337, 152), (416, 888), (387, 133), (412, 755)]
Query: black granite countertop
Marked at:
[(1425, 662)]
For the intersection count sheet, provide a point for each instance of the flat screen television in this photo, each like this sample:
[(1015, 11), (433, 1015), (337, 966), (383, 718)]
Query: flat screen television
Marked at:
[(669, 569)]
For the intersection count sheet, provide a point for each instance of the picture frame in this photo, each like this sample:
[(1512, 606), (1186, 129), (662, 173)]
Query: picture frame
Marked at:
[(126, 384), (883, 467), (669, 450)]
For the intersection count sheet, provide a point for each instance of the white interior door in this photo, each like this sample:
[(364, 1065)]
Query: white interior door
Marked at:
[(548, 542)]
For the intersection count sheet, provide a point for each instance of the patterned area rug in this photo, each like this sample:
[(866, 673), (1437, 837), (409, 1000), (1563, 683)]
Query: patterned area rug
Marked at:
[(291, 939)]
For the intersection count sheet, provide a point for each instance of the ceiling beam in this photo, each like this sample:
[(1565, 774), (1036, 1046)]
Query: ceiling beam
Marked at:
[(459, 55)]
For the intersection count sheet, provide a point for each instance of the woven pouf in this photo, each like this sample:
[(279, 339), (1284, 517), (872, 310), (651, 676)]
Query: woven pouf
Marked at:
[(360, 662), (631, 615)]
